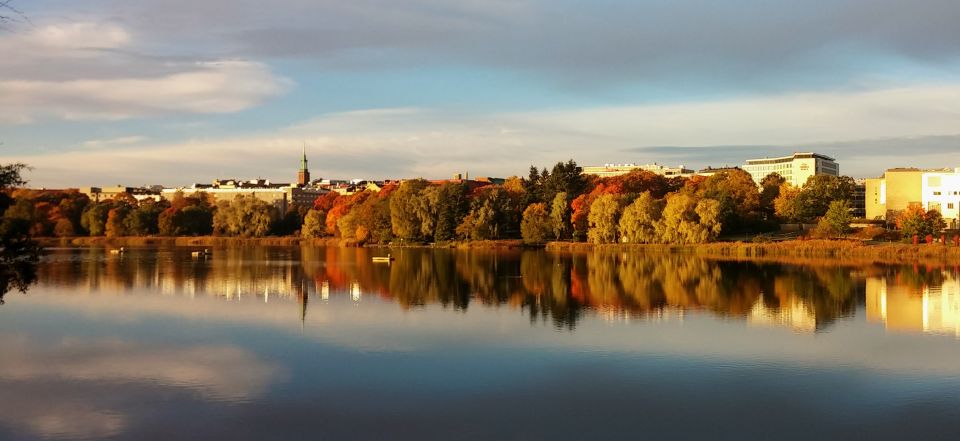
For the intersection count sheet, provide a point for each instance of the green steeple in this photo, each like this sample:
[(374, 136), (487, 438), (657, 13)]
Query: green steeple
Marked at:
[(303, 161)]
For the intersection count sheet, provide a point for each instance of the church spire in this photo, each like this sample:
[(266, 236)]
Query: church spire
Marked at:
[(303, 177)]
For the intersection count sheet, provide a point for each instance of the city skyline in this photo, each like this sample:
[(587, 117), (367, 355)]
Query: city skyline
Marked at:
[(135, 92)]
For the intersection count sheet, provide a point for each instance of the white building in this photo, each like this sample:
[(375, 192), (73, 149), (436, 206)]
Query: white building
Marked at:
[(608, 170), (900, 188), (940, 190), (796, 169)]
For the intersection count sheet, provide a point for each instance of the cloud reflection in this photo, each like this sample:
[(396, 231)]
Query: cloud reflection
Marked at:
[(96, 381)]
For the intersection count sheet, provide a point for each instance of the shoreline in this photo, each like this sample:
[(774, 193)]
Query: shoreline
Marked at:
[(833, 251), (223, 241)]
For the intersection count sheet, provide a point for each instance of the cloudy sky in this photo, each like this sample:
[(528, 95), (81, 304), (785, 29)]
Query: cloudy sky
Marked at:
[(134, 92)]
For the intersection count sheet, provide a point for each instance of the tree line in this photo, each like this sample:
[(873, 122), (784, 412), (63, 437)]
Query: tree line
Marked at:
[(561, 203)]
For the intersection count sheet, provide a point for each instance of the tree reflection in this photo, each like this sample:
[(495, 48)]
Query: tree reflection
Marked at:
[(560, 288)]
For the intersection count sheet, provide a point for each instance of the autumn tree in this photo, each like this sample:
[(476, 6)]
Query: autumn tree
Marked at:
[(604, 219), (535, 226), (492, 216), (638, 222), (686, 220), (785, 204), (915, 221), (369, 220), (116, 217), (187, 216), (738, 196)]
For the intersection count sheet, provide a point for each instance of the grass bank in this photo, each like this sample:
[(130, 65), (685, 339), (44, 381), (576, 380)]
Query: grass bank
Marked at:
[(853, 251)]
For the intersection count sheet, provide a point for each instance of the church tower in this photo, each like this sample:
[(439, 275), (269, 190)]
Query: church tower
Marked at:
[(303, 177)]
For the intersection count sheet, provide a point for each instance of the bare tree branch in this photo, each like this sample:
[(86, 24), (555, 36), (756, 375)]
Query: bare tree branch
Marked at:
[(10, 14)]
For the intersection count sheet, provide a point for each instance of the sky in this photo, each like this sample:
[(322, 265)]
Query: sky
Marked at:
[(133, 92)]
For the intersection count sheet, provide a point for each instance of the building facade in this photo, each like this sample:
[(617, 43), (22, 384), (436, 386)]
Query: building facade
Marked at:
[(281, 196), (900, 188), (608, 170), (98, 194), (796, 169)]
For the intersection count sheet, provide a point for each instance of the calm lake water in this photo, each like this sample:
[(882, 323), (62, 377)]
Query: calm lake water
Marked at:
[(322, 344)]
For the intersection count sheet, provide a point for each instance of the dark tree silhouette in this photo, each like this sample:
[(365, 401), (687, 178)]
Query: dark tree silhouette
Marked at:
[(19, 254)]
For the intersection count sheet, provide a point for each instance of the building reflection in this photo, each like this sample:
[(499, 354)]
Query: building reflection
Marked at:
[(559, 288), (920, 300)]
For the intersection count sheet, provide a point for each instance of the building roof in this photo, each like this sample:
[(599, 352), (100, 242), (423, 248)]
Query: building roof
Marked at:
[(799, 155)]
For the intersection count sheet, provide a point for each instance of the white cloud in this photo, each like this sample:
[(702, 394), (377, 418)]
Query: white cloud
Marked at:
[(420, 142), (219, 87), (120, 140), (77, 35), (95, 70)]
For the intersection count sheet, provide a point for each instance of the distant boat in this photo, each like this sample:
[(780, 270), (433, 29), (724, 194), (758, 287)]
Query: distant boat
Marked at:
[(203, 253), (120, 250), (387, 259)]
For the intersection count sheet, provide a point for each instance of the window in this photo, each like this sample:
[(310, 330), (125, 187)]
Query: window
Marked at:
[(950, 206), (933, 181), (936, 193)]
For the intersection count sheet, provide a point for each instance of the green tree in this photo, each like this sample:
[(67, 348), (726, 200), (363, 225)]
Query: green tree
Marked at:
[(560, 216), (637, 224), (836, 221), (244, 216), (314, 224), (195, 220), (819, 191), (406, 210), (452, 205), (116, 217), (535, 226), (564, 178), (371, 221), (144, 220), (94, 218), (769, 191), (603, 219)]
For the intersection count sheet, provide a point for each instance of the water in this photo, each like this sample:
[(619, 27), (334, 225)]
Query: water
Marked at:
[(322, 344)]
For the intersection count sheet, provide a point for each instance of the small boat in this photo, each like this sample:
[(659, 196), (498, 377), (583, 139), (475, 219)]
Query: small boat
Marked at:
[(120, 250), (203, 253), (387, 259)]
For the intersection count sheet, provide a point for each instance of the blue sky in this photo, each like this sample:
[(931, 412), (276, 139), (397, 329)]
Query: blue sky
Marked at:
[(104, 92)]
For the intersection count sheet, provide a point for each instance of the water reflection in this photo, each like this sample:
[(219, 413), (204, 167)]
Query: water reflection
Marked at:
[(291, 343), (917, 299), (554, 287)]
